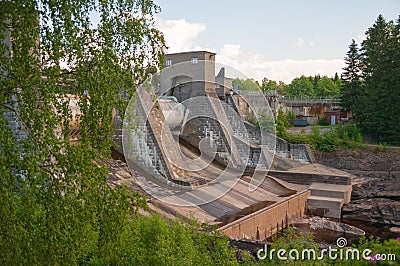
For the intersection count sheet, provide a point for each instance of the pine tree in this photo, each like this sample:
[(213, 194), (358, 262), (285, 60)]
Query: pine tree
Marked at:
[(378, 107), (351, 76)]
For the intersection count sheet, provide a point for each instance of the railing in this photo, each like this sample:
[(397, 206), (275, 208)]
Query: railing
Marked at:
[(283, 98), (308, 99)]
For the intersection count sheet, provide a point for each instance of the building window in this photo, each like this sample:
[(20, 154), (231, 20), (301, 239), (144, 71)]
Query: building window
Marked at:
[(168, 62), (195, 60)]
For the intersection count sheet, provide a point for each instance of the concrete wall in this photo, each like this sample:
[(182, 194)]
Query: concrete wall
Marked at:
[(182, 66), (265, 222), (308, 178), (243, 108)]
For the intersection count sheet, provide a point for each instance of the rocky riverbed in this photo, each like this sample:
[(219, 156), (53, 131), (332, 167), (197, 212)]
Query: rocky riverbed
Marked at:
[(377, 199)]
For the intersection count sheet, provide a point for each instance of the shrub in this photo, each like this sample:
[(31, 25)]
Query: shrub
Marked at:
[(381, 147), (285, 118), (253, 121), (329, 142), (323, 122), (267, 123)]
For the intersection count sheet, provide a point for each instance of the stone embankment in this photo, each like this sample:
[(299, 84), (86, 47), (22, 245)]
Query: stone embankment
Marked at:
[(376, 201), (377, 198)]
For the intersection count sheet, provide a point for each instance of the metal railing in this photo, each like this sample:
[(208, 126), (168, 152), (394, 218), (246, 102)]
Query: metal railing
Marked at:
[(308, 99)]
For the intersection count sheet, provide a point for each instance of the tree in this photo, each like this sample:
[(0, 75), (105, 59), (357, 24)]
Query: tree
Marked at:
[(55, 205), (326, 87), (272, 85), (247, 85), (378, 106), (352, 78), (301, 87)]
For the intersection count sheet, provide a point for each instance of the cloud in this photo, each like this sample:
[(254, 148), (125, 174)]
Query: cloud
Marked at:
[(361, 37), (255, 67), (230, 50), (287, 70), (314, 42), (179, 34), (302, 42)]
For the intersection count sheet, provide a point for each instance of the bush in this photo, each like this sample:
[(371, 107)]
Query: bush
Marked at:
[(253, 121), (381, 147), (323, 122), (267, 123), (329, 142), (282, 117)]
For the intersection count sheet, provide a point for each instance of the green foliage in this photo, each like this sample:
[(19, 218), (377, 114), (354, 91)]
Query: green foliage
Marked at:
[(282, 122), (272, 85), (155, 241), (315, 136), (323, 121), (329, 141), (326, 87), (55, 205), (253, 121), (347, 135), (301, 87), (247, 85), (352, 79), (371, 83), (314, 87), (267, 123), (381, 147)]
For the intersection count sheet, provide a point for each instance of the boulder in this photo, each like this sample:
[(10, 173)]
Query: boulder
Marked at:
[(374, 210), (317, 222)]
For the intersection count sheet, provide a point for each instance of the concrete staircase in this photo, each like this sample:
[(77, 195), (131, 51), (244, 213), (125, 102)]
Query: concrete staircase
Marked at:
[(162, 136), (327, 199)]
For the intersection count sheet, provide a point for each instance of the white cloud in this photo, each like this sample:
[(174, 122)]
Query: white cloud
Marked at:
[(314, 42), (300, 41), (254, 66), (179, 34), (360, 38), (287, 70), (230, 50)]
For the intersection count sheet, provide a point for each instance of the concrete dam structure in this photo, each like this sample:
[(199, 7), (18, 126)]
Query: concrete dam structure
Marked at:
[(187, 138)]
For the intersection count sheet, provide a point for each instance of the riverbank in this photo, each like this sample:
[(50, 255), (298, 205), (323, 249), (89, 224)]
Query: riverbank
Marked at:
[(375, 197)]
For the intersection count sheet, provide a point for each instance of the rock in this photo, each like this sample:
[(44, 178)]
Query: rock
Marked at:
[(374, 210), (395, 230), (363, 162), (376, 201), (377, 189), (317, 222)]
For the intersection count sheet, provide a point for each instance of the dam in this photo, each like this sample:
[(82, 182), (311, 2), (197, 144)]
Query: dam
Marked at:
[(189, 144)]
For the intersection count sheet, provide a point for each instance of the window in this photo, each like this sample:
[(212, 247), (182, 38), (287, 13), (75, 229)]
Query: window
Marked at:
[(195, 60), (168, 62)]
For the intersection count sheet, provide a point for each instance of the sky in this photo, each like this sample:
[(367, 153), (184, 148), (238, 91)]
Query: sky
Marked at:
[(276, 39)]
